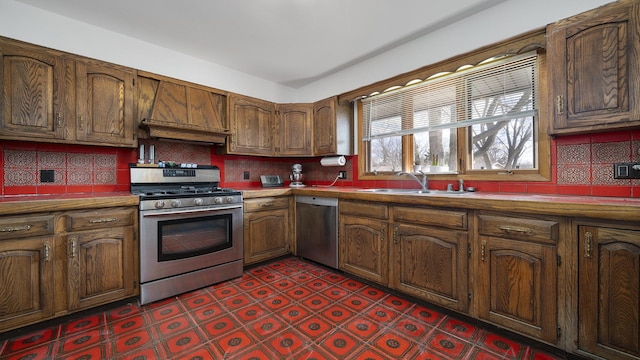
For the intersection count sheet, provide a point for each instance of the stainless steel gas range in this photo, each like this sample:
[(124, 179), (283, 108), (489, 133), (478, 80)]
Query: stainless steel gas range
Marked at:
[(190, 230)]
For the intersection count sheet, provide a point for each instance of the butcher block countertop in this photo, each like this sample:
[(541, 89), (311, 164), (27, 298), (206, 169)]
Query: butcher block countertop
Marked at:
[(21, 204), (609, 208)]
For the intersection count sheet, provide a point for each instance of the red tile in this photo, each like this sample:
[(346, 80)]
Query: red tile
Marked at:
[(449, 345), (363, 328), (236, 302), (382, 314), (333, 278), (393, 345), (316, 302), (172, 326), (315, 328), (286, 343), (197, 301), (128, 324), (425, 315), (249, 283), (574, 139), (613, 136), (503, 346), (317, 284), (201, 353), (181, 342), (149, 352), (122, 312), (356, 302), (165, 312), (313, 352), (372, 293), (206, 312), (369, 354), (340, 344), (283, 284), (298, 292), (335, 293), (82, 324), (411, 327), (256, 353), (337, 314), (32, 339), (219, 326), (619, 191), (234, 342), (293, 313), (40, 352), (262, 292), (99, 351), (574, 190), (133, 341), (80, 341), (460, 329), (265, 327), (251, 313), (225, 292), (396, 303)]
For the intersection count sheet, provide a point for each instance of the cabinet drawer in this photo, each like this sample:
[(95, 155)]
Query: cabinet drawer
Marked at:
[(13, 227), (371, 210), (530, 229), (431, 217), (101, 218), (266, 204)]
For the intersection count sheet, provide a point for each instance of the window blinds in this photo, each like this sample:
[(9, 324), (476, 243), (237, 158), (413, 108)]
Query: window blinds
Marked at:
[(496, 90)]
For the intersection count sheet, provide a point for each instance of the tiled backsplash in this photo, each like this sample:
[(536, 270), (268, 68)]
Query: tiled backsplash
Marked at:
[(581, 165)]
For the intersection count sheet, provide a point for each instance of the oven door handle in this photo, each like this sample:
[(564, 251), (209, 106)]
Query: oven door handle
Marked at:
[(191, 211)]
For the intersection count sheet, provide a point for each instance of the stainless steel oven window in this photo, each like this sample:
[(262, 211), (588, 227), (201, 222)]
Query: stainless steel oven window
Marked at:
[(189, 237)]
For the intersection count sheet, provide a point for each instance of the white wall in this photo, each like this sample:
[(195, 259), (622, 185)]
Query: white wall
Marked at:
[(507, 19)]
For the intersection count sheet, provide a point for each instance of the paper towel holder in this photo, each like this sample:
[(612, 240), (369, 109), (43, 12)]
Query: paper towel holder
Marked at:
[(333, 161)]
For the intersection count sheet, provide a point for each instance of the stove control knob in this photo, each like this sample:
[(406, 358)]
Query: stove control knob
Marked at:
[(229, 199), (217, 200), (175, 203), (198, 201), (159, 204)]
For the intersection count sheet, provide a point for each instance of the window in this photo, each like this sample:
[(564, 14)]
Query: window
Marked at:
[(479, 119)]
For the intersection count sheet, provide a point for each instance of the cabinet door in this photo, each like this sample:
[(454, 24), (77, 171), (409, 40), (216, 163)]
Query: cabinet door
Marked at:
[(517, 286), (594, 62), (252, 124), (363, 248), (609, 293), (33, 89), (431, 264), (104, 104), (324, 127), (294, 129), (100, 266), (266, 234), (26, 275)]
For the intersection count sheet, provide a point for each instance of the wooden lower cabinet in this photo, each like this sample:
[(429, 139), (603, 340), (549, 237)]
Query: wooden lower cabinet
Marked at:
[(267, 228), (431, 264), (26, 275), (517, 274), (99, 267), (52, 264), (609, 291), (363, 245)]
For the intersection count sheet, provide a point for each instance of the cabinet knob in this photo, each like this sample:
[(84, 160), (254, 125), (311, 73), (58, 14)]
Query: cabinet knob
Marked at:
[(483, 250), (560, 104), (73, 244), (588, 243), (47, 252)]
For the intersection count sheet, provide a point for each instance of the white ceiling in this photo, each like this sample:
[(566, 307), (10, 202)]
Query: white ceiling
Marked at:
[(289, 42)]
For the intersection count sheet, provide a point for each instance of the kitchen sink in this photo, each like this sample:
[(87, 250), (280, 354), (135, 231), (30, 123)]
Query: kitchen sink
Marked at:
[(412, 191)]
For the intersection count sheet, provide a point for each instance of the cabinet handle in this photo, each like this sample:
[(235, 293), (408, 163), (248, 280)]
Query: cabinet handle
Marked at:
[(331, 139), (81, 123), (395, 235), (483, 249), (103, 220), (266, 204), (509, 228), (16, 228), (383, 232), (73, 247), (47, 251), (59, 119), (588, 242), (560, 104)]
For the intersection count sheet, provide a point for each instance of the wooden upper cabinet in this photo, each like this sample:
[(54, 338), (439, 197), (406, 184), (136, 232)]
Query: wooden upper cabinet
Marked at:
[(609, 293), (104, 112), (252, 123), (175, 109), (332, 128), (294, 129), (594, 69), (33, 86)]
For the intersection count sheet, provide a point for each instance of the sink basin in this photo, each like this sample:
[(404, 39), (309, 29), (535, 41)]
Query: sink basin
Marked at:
[(412, 191)]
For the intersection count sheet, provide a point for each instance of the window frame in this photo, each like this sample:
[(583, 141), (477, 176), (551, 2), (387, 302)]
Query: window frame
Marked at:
[(527, 42)]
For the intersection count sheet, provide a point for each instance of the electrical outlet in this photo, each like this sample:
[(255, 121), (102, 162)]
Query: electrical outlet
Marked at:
[(626, 170), (245, 175), (47, 176), (342, 174)]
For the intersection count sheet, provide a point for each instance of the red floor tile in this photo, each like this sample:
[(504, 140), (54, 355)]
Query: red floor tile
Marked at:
[(289, 308)]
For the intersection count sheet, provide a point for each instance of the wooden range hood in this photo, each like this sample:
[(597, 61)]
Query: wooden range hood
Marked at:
[(176, 110)]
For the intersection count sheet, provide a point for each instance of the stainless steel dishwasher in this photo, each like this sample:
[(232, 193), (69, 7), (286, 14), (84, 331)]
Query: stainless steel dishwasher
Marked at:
[(317, 229)]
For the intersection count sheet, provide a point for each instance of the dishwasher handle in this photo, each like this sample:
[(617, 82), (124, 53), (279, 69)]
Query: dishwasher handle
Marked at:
[(315, 200)]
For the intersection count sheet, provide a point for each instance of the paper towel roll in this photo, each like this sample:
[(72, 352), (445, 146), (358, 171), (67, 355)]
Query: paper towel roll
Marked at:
[(333, 161)]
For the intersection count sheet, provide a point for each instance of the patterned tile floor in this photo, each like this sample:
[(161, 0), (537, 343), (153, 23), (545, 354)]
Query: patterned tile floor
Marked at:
[(288, 309)]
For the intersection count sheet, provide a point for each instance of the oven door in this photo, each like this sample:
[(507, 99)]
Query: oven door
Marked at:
[(174, 242)]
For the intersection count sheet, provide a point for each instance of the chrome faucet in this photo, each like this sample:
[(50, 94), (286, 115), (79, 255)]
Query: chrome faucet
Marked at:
[(424, 182)]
